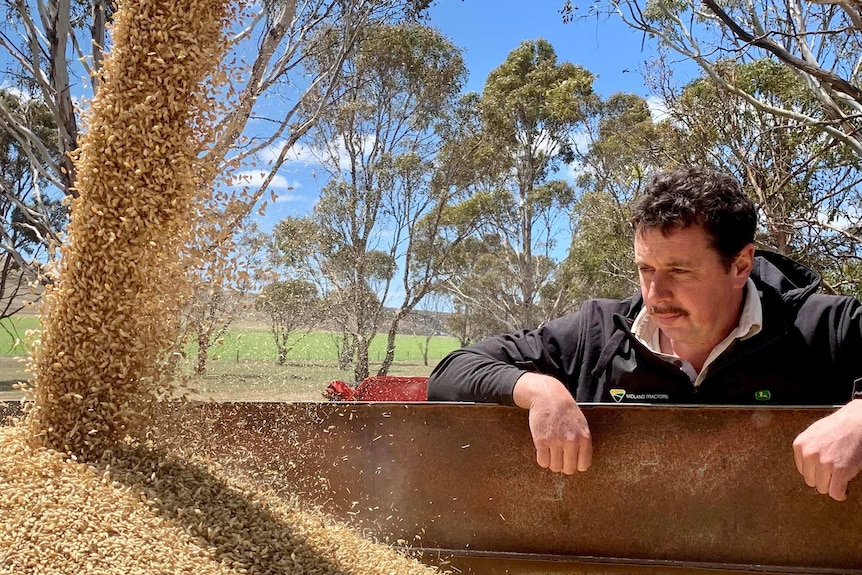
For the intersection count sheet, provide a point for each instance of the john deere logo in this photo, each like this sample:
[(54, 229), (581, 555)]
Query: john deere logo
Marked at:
[(762, 395), (618, 394)]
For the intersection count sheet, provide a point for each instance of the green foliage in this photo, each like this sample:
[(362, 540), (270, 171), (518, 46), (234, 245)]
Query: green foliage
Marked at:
[(509, 140), (385, 193), (799, 177), (531, 101), (286, 299), (13, 334), (291, 306), (600, 262)]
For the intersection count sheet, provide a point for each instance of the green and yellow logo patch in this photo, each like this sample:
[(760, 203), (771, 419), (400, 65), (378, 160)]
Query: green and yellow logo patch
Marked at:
[(618, 394), (762, 395)]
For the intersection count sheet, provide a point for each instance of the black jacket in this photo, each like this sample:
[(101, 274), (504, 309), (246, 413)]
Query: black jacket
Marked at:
[(808, 352)]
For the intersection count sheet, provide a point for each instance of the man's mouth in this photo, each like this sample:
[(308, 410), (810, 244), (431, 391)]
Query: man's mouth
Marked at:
[(666, 315)]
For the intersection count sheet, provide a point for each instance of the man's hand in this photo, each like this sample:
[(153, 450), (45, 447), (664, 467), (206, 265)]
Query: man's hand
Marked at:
[(829, 453), (559, 428)]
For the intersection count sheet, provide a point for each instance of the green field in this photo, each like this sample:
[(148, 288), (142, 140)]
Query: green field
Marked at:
[(13, 333), (242, 365), (255, 343), (258, 344)]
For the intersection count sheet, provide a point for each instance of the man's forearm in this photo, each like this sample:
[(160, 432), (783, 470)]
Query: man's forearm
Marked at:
[(468, 376)]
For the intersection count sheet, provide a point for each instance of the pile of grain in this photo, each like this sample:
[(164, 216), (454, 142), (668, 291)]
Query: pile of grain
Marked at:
[(142, 511), (115, 306)]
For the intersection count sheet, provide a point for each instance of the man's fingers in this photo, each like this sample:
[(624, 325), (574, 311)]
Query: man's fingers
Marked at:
[(543, 456), (822, 478), (570, 458), (556, 459), (809, 471), (585, 453), (797, 457), (838, 487)]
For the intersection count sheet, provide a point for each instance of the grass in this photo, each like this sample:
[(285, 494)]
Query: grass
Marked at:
[(256, 343), (13, 333), (266, 381), (242, 365)]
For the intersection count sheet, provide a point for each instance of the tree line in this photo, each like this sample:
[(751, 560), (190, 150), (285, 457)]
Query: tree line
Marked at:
[(505, 208)]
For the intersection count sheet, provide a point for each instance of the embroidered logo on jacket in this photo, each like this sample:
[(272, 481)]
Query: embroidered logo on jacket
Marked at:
[(618, 394), (763, 395)]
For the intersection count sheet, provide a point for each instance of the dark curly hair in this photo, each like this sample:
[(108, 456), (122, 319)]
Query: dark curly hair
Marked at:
[(696, 196)]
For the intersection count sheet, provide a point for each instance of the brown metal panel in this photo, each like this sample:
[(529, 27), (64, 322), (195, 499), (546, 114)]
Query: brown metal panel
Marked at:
[(715, 489), (500, 563), (708, 485)]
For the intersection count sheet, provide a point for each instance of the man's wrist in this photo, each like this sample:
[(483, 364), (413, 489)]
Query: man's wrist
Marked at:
[(531, 385)]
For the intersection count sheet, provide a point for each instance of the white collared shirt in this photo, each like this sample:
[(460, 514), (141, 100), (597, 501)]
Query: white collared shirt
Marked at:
[(750, 324)]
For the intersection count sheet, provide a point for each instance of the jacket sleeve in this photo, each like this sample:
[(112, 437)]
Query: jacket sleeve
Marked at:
[(486, 372)]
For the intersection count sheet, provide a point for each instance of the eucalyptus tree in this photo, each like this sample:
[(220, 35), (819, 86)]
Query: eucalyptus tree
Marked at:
[(52, 54), (291, 306), (806, 184), (269, 99), (223, 289), (530, 112), (818, 42), (24, 207), (378, 143), (623, 147)]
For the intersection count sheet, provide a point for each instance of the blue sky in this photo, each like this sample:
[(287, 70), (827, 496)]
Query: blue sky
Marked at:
[(487, 32)]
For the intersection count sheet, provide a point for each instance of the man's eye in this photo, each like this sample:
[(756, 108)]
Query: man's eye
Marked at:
[(644, 270), (678, 271)]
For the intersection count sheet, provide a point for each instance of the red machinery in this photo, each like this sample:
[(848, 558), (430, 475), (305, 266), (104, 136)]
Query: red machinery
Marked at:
[(379, 388)]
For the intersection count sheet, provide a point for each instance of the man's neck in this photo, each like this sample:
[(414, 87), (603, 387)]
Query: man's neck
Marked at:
[(695, 355)]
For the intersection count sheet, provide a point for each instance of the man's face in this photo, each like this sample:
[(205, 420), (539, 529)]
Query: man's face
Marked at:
[(688, 291)]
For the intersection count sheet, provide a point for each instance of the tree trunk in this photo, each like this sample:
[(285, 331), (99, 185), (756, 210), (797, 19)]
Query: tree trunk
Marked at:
[(346, 353), (390, 341), (390, 349), (203, 352), (425, 350), (360, 370), (282, 354)]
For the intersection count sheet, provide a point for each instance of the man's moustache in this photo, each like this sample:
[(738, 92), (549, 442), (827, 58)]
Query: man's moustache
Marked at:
[(653, 310)]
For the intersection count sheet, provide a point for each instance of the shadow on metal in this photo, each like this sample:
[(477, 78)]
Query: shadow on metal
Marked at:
[(672, 490)]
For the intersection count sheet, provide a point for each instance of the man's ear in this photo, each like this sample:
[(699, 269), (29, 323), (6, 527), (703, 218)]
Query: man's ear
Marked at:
[(743, 264)]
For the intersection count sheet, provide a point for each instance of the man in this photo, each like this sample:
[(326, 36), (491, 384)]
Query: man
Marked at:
[(714, 323)]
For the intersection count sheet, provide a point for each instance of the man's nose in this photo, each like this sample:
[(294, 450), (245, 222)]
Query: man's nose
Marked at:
[(659, 288)]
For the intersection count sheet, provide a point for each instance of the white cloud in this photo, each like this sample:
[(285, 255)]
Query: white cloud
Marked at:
[(286, 198), (306, 155), (17, 92), (658, 109), (255, 178), (298, 154)]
